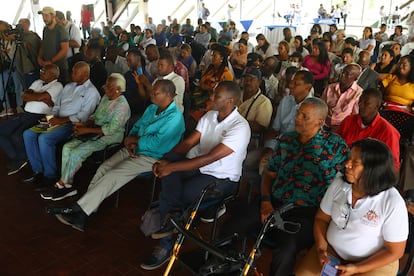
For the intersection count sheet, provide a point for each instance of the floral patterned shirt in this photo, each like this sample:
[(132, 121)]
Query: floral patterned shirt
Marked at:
[(304, 171)]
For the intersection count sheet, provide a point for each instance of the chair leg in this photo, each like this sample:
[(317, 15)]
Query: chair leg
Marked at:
[(154, 183), (117, 199)]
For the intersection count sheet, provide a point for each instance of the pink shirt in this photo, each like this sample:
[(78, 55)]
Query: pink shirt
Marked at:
[(319, 71), (341, 105)]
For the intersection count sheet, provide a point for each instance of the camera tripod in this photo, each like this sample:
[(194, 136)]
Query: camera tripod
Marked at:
[(6, 84)]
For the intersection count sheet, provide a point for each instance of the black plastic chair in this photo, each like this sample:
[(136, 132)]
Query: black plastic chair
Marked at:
[(409, 248), (404, 123)]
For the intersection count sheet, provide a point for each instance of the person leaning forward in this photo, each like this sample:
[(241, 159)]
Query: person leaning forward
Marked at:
[(76, 103), (158, 130), (221, 137), (40, 98), (304, 164)]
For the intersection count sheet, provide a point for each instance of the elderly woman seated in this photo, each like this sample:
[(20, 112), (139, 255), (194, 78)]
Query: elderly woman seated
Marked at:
[(105, 127), (362, 221)]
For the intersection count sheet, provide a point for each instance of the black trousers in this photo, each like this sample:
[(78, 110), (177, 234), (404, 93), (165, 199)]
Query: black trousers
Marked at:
[(244, 219)]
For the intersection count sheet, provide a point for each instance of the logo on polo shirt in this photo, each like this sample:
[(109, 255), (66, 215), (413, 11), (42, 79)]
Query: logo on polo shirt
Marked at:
[(370, 218)]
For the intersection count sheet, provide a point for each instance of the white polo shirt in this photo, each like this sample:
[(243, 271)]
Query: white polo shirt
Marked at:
[(371, 221), (54, 88), (233, 132)]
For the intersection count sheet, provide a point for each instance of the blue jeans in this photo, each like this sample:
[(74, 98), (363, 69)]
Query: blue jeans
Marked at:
[(41, 149), (181, 189), (11, 134)]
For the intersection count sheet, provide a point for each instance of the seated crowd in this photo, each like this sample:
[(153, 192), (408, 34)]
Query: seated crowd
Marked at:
[(193, 105)]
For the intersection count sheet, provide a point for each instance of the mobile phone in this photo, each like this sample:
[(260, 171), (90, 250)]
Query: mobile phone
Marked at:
[(329, 269), (139, 71)]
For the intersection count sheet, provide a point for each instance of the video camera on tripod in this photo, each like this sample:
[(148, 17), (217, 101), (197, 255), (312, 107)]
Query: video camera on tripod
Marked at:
[(17, 32)]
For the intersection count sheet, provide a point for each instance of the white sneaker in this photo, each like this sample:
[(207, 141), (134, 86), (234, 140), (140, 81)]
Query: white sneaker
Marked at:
[(8, 112)]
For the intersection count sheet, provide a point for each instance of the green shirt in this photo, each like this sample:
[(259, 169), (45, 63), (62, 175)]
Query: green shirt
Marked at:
[(304, 172)]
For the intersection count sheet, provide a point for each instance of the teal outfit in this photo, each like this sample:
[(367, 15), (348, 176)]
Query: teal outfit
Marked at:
[(304, 172), (111, 116), (158, 134)]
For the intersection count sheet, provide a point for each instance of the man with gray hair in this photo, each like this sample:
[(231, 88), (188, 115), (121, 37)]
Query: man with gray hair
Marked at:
[(76, 103), (304, 164), (40, 98), (158, 130)]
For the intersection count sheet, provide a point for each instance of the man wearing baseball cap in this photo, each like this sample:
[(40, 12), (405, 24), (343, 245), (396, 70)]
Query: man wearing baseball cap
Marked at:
[(55, 44), (256, 107)]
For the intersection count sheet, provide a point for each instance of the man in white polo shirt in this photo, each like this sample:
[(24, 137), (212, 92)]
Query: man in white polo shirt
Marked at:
[(221, 138), (39, 98)]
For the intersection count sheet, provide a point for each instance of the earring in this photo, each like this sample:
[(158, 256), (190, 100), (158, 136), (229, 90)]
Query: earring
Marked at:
[(117, 91)]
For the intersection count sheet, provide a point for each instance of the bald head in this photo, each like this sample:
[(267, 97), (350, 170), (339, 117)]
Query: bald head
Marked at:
[(364, 59), (80, 72)]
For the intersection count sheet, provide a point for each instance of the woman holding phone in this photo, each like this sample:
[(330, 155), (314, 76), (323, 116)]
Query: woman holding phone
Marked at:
[(362, 220)]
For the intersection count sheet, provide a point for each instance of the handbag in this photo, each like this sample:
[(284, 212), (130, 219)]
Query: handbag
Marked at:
[(150, 221)]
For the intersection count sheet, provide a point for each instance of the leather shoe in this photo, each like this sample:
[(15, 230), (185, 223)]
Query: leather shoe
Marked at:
[(33, 178), (74, 208), (76, 220)]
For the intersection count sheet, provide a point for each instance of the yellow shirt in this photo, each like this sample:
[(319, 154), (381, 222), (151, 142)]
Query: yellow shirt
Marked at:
[(397, 93)]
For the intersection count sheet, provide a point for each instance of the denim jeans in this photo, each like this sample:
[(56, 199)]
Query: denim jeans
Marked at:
[(41, 149), (11, 134)]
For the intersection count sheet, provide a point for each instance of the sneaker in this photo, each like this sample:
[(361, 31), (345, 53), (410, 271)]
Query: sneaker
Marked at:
[(159, 257), (7, 112), (45, 184), (56, 193), (33, 178), (209, 216), (16, 166), (77, 220)]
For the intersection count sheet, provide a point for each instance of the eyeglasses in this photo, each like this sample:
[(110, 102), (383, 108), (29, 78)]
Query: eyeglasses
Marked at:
[(42, 71), (343, 220)]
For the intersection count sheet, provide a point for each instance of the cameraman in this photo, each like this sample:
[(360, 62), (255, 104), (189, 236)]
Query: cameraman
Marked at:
[(10, 87), (28, 44)]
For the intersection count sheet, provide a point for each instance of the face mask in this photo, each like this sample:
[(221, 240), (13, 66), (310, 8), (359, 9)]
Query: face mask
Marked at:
[(293, 63)]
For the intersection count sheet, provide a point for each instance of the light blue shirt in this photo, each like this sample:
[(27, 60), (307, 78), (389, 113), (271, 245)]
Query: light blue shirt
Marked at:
[(158, 134), (77, 102), (285, 118)]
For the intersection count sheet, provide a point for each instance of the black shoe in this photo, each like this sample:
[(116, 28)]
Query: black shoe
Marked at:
[(77, 220), (16, 166), (44, 184), (157, 259), (74, 208), (56, 193), (208, 216), (33, 178)]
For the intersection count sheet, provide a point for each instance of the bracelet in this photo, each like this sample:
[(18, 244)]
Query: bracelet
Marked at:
[(265, 198)]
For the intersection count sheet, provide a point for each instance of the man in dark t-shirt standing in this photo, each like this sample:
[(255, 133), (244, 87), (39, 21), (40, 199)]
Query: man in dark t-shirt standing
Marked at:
[(55, 44)]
